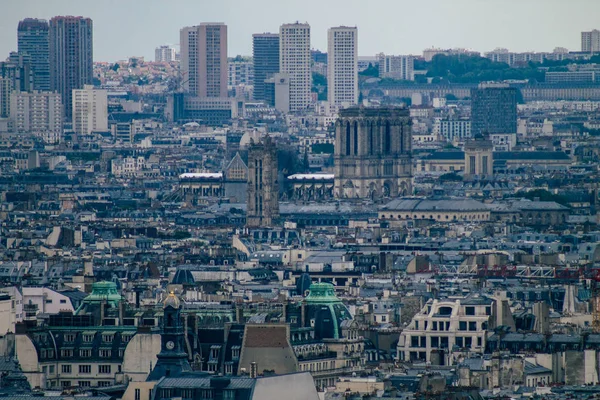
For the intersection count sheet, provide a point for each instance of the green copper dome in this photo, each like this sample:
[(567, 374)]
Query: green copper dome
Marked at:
[(326, 310), (102, 291), (321, 293)]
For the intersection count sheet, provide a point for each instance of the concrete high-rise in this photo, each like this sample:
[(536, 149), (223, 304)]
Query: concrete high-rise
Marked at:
[(204, 59), (493, 109), (164, 54), (90, 110), (37, 112), (33, 39), (5, 91), (262, 207), (71, 56), (17, 69), (342, 66), (265, 52), (294, 60), (373, 153), (590, 41), (396, 67)]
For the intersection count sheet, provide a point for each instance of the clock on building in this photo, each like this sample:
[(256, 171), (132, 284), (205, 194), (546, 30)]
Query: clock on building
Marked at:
[(170, 345)]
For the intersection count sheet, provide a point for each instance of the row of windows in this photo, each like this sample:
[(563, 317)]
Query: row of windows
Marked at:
[(83, 369), (83, 353), (444, 341), (472, 217)]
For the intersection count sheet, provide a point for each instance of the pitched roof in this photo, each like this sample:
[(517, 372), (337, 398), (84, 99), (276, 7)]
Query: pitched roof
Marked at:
[(265, 336)]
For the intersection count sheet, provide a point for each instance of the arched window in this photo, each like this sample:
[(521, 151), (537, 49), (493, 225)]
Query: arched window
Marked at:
[(355, 138), (370, 140), (401, 138), (387, 138), (348, 138)]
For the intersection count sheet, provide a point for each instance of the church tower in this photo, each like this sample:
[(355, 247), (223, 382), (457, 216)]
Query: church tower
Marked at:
[(373, 153), (172, 359), (262, 205)]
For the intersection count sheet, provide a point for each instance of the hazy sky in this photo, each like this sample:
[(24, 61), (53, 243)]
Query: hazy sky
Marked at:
[(124, 28)]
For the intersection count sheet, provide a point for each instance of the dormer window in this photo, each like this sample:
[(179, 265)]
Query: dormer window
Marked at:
[(88, 338)]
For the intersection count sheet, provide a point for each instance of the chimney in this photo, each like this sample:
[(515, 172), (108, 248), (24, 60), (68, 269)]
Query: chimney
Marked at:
[(253, 370), (239, 314), (284, 314), (121, 312), (303, 315), (102, 307), (88, 268)]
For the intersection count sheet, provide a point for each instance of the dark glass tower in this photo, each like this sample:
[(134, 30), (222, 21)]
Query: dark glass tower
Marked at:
[(33, 39), (71, 56), (493, 109), (172, 359), (265, 48)]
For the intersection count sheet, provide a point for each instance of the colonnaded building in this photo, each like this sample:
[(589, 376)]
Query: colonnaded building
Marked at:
[(373, 153)]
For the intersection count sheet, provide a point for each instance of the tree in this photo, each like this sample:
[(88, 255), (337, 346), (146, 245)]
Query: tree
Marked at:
[(371, 71), (542, 195), (451, 177)]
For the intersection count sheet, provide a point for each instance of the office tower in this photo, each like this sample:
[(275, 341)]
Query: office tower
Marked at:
[(17, 69), (204, 59), (277, 92), (373, 153), (493, 109), (37, 112), (294, 60), (262, 207), (71, 56), (590, 41), (164, 54), (240, 71), (33, 39), (342, 66), (265, 51), (396, 67), (90, 110)]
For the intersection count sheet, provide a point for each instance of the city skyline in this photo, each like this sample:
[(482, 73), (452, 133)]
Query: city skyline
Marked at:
[(457, 24)]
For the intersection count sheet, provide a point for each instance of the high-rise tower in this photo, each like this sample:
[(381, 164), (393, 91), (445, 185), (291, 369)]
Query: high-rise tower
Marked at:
[(294, 60), (342, 66), (71, 56), (33, 39), (204, 59), (493, 109), (265, 51)]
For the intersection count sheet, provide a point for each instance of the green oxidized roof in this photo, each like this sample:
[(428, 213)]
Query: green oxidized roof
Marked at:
[(104, 291), (321, 293)]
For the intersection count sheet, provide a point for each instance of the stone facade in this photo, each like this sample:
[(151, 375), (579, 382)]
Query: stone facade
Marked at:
[(373, 153), (263, 186)]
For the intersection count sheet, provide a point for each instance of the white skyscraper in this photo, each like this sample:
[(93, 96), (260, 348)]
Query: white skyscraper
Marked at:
[(37, 112), (342, 66), (164, 54), (590, 41), (294, 60), (90, 110), (204, 59)]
